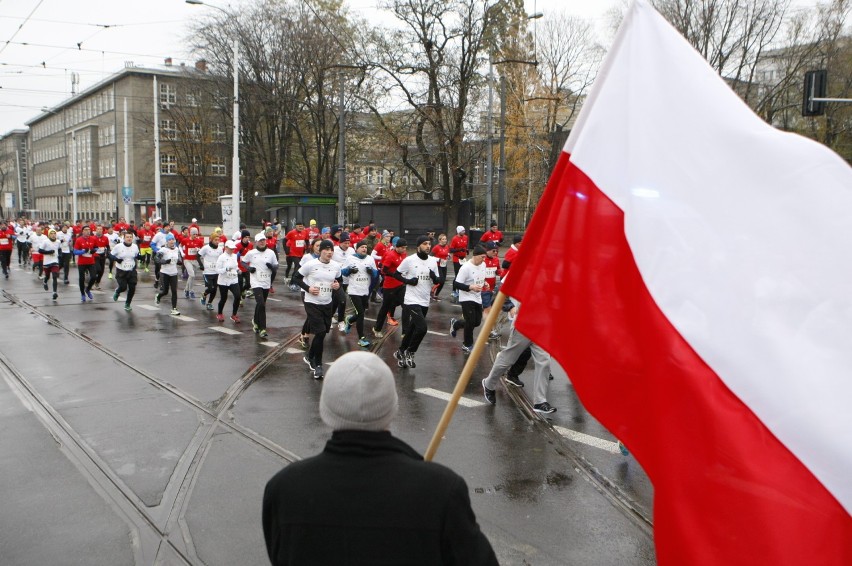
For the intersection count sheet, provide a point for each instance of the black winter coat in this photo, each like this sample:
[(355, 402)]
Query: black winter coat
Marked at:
[(369, 498)]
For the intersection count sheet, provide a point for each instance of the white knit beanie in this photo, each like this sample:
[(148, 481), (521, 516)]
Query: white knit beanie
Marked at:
[(459, 229), (359, 393)]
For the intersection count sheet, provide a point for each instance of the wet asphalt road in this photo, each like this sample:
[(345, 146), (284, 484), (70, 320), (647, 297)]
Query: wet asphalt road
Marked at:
[(142, 438)]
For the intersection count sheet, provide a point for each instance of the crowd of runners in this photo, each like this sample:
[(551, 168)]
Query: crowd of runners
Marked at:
[(332, 267)]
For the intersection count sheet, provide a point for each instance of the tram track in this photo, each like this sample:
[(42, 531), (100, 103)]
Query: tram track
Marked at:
[(156, 531)]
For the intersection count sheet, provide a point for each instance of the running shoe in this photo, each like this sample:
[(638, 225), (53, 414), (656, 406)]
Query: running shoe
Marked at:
[(466, 349), (203, 300), (623, 449), (157, 299), (128, 308), (175, 312), (263, 334), (399, 356), (334, 319), (97, 287), (55, 296), (89, 294), (378, 333), (82, 298), (490, 394), (392, 321), (342, 327), (255, 327), (347, 326), (210, 306), (513, 380), (64, 282), (115, 296), (453, 327), (544, 408), (192, 294), (110, 276), (303, 341), (318, 372), (364, 343), (186, 294), (220, 317), (308, 361), (147, 270), (494, 335), (409, 359), (45, 285), (235, 318)]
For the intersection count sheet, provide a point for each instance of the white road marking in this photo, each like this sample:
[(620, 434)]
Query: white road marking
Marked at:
[(224, 330), (269, 344), (185, 318), (606, 445), (294, 351), (464, 401), (437, 333), (147, 307), (276, 300), (96, 292)]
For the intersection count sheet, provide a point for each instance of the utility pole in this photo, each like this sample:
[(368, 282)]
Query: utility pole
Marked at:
[(489, 164), (501, 171), (341, 159), (158, 193)]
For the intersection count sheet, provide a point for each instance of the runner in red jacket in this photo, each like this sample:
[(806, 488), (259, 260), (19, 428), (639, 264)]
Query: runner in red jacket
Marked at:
[(84, 250)]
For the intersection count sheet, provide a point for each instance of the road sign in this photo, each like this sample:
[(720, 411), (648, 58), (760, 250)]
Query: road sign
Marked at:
[(127, 194)]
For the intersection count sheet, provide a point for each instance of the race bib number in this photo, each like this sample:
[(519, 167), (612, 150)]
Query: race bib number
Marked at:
[(127, 264), (4, 241), (325, 291), (231, 272), (490, 272), (147, 238), (87, 254), (362, 278), (209, 264), (424, 277), (300, 243), (442, 263), (192, 251), (263, 275)]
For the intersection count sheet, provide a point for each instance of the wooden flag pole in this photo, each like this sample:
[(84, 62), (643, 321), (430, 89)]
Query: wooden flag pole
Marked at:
[(464, 378)]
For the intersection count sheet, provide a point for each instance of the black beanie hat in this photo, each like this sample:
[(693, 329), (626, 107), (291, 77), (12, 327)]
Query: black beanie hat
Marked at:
[(326, 245), (478, 250), (421, 239), (401, 243)]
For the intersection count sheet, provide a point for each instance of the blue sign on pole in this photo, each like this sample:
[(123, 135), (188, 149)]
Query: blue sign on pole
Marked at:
[(127, 194)]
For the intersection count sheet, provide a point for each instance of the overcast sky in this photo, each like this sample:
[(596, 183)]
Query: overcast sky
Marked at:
[(94, 38)]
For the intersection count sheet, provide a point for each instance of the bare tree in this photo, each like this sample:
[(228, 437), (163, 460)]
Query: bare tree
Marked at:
[(433, 65)]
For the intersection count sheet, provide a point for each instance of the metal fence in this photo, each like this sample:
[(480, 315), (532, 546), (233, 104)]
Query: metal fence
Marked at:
[(516, 218)]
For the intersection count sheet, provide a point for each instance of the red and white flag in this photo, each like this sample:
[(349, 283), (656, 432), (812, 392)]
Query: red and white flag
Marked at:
[(702, 261)]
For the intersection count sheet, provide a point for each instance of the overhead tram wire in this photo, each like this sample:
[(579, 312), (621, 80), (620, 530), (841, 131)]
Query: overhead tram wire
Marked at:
[(5, 45), (81, 48), (70, 23)]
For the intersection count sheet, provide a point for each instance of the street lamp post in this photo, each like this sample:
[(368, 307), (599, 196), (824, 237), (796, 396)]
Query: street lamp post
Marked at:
[(235, 163), (341, 147)]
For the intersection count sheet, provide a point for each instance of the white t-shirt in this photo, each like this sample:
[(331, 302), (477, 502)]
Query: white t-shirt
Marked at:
[(125, 256), (171, 256), (413, 266), (342, 258), (359, 283), (322, 275), (262, 277), (470, 274), (47, 244), (114, 239), (209, 256), (64, 241), (226, 267)]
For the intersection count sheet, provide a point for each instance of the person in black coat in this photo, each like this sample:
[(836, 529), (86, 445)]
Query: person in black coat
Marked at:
[(368, 498)]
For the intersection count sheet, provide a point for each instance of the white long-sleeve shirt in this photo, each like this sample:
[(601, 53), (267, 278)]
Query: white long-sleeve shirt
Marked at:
[(226, 267)]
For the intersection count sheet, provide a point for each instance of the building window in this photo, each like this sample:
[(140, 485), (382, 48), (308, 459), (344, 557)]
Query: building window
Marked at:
[(196, 165), (218, 133), (369, 175), (218, 167), (168, 95), (168, 164), (380, 177), (168, 130), (193, 98), (194, 131)]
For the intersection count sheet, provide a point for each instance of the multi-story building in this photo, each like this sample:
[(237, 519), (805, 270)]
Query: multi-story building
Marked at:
[(14, 175), (99, 146)]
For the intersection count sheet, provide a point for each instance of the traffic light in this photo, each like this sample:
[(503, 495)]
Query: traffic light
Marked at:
[(815, 87)]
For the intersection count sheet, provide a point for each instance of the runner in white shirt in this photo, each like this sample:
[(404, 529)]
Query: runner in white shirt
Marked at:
[(229, 280), (65, 254), (124, 256), (361, 270), (34, 242), (158, 241), (114, 238), (419, 272), (319, 278), (207, 256), (310, 255), (341, 255), (169, 259), (470, 282), (262, 264), (49, 248)]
